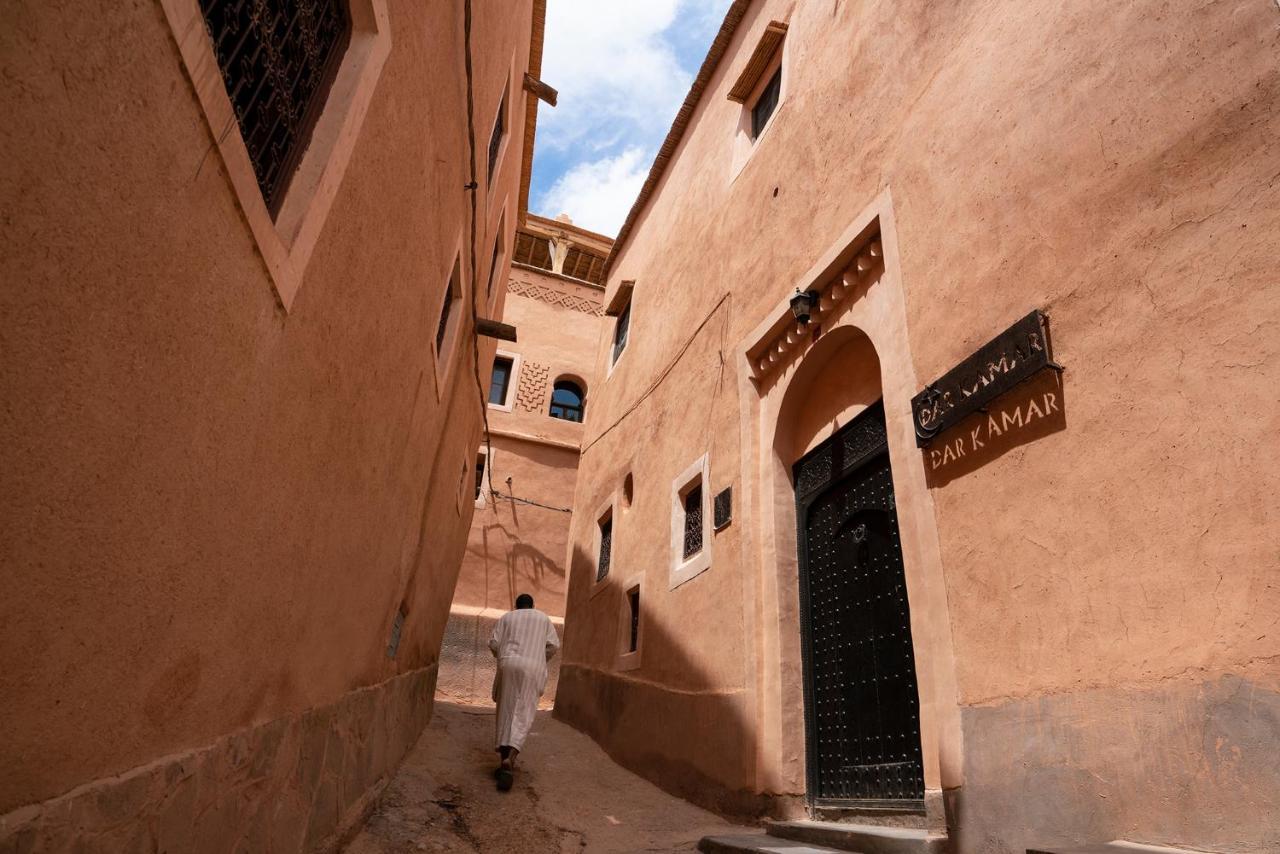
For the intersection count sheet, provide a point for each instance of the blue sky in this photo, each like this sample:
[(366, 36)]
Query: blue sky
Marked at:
[(622, 68)]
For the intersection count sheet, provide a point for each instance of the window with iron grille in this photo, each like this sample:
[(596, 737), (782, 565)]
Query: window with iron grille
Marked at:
[(278, 59), (693, 521), (495, 139), (620, 329), (766, 103), (606, 547), (501, 383), (532, 250)]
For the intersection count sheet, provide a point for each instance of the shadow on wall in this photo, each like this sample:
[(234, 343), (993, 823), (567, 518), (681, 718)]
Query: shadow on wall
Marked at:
[(687, 737), (1033, 410)]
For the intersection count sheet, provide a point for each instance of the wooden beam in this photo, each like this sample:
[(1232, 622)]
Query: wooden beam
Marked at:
[(495, 329), (542, 90)]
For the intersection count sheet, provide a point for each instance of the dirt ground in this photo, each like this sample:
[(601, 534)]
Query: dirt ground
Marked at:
[(568, 797)]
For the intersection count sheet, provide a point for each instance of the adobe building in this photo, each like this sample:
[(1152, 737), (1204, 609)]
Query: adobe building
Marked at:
[(243, 259), (928, 478), (525, 474)]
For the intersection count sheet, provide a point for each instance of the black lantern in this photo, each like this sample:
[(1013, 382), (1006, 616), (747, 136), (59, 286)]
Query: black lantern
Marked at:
[(802, 304)]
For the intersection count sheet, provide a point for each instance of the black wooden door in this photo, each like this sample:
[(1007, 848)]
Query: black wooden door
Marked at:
[(862, 710)]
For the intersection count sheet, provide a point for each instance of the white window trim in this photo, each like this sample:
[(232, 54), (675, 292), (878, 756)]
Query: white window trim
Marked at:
[(288, 242), (610, 507), (683, 570), (744, 144), (627, 660), (509, 404)]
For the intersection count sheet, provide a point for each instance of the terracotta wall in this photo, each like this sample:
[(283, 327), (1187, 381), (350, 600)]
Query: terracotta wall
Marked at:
[(514, 546), (213, 509), (1114, 166)]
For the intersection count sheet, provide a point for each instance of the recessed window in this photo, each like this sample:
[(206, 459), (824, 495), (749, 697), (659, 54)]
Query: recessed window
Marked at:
[(606, 546), (633, 611), (567, 401), (480, 461), (446, 311), (278, 63), (693, 520), (495, 138), (495, 263), (500, 385), (621, 327), (628, 490), (766, 103)]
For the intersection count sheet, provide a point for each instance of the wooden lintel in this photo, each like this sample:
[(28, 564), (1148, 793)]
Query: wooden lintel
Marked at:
[(495, 329), (540, 89)]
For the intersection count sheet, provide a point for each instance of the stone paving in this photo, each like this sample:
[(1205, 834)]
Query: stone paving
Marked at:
[(569, 797)]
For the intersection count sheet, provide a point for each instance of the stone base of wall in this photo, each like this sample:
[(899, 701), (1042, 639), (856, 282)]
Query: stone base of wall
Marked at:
[(466, 664), (1186, 763), (298, 783)]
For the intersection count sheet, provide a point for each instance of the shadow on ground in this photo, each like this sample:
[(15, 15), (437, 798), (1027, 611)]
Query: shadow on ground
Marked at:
[(569, 797)]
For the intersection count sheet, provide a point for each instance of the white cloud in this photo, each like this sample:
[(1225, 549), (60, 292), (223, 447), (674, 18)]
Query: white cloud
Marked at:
[(598, 194), (617, 66)]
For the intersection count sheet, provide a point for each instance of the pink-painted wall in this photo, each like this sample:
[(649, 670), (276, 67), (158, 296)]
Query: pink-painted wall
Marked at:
[(1114, 166), (213, 509)]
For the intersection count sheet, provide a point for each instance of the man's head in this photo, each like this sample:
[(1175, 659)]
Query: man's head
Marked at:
[(524, 600)]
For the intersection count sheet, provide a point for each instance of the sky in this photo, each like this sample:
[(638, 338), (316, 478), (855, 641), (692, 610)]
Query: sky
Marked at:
[(622, 68)]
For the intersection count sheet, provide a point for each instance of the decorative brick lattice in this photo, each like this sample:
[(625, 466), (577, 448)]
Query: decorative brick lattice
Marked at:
[(531, 395), (550, 295)]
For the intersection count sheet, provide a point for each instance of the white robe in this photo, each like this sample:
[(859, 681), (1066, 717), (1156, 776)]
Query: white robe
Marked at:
[(523, 641)]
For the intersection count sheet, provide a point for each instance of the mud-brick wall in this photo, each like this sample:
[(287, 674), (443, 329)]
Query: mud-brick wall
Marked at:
[(213, 509)]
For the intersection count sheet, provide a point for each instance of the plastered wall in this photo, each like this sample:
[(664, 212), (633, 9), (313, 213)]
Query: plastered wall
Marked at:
[(1114, 167), (213, 509)]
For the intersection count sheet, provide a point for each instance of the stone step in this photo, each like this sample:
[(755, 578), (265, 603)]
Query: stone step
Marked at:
[(1118, 846), (758, 843), (862, 838)]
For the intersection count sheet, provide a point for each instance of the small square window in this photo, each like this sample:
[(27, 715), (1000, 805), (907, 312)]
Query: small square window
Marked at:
[(500, 385), (606, 547), (766, 103), (621, 327)]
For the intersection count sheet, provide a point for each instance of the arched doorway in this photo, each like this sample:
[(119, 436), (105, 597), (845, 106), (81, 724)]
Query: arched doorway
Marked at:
[(862, 706)]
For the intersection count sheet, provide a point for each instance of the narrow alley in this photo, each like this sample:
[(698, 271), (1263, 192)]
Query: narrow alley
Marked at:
[(568, 797)]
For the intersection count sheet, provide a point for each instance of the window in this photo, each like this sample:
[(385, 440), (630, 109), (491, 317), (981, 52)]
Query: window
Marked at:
[(567, 401), (445, 311), (501, 383), (620, 329), (633, 610), (278, 62), (495, 138), (480, 460), (495, 263), (606, 546), (693, 521), (766, 103)]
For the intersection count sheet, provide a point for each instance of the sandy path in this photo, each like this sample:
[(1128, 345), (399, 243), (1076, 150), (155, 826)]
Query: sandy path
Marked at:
[(569, 797)]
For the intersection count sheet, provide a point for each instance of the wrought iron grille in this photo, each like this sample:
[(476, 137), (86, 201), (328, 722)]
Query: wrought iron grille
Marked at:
[(278, 59), (606, 548), (693, 522)]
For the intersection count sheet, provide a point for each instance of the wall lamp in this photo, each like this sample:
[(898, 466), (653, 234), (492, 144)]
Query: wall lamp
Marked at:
[(802, 305)]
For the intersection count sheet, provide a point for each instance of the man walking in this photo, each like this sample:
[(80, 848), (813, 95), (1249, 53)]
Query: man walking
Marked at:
[(523, 641)]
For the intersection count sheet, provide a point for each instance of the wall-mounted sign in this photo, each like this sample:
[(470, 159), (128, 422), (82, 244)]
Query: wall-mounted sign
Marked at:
[(1010, 358)]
